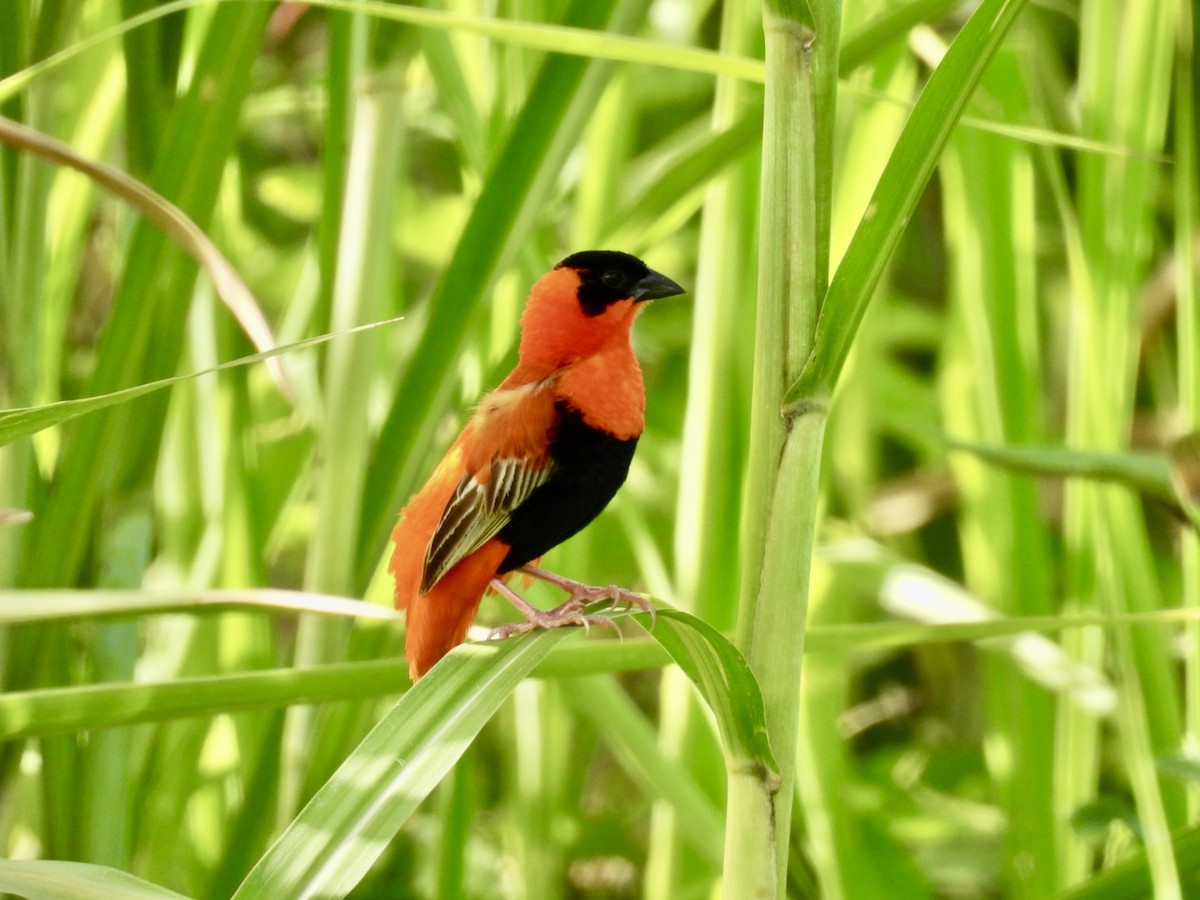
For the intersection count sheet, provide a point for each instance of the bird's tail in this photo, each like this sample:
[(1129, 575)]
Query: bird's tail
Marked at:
[(438, 621)]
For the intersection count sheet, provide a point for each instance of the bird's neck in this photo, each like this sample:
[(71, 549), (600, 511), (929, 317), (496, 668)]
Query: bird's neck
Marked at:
[(550, 344)]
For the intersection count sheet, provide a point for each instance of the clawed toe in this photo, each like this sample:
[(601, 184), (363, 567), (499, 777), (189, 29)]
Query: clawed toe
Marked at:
[(601, 620), (620, 598), (500, 632), (623, 599), (628, 600)]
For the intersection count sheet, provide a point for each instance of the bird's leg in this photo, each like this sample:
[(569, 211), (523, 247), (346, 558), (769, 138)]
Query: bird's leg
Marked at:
[(582, 594), (568, 613)]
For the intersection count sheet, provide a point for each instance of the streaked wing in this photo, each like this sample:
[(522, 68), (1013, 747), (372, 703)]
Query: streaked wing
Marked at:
[(478, 510)]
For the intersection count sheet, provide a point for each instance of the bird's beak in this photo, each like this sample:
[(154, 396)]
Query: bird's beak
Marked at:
[(655, 286)]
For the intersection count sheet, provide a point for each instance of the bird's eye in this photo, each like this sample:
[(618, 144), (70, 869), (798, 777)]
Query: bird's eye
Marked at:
[(612, 278)]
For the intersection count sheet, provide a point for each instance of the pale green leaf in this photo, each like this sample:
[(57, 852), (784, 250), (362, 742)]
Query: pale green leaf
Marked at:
[(53, 880), (350, 821)]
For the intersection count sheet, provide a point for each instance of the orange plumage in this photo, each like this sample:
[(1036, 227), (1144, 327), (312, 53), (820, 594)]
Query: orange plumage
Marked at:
[(541, 457)]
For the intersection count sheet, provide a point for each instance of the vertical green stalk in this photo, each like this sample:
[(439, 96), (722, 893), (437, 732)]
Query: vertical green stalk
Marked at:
[(343, 441), (106, 807), (1076, 748), (456, 800), (706, 561), (607, 147), (344, 65), (363, 276), (989, 384), (1110, 564), (1189, 348), (21, 313), (540, 749), (801, 67), (320, 737), (847, 857)]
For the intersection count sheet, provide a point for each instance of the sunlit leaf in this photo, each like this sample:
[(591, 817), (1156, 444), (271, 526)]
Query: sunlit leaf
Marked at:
[(348, 824), (726, 683), (54, 880)]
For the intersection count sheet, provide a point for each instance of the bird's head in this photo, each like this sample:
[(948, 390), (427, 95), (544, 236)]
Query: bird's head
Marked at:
[(585, 303)]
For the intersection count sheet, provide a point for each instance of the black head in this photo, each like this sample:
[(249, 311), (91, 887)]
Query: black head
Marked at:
[(606, 276)]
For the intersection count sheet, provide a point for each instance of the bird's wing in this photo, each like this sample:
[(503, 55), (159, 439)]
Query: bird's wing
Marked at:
[(507, 458), (477, 512)]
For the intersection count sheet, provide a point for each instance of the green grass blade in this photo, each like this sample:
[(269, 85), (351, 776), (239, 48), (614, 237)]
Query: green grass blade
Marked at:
[(364, 269), (66, 710), (907, 172), (19, 423), (713, 444), (625, 225), (862, 43), (1124, 86), (18, 607), (1185, 455), (988, 195), (566, 39), (363, 275), (83, 708), (53, 880), (720, 672), (1130, 879), (456, 808), (149, 87), (1146, 472), (348, 823)]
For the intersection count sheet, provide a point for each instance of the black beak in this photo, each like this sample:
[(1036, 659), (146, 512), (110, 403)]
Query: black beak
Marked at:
[(654, 287)]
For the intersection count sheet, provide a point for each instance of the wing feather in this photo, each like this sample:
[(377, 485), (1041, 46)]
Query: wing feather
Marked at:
[(477, 512)]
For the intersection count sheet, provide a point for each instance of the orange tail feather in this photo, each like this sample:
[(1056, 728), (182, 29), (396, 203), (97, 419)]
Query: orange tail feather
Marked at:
[(438, 621)]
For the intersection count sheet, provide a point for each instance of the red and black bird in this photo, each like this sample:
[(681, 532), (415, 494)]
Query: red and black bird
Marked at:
[(544, 453)]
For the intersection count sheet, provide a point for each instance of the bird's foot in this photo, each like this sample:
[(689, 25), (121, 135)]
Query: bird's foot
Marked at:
[(569, 613), (582, 594)]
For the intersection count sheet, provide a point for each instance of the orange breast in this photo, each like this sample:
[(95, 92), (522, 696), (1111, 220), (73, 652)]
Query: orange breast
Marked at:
[(607, 388)]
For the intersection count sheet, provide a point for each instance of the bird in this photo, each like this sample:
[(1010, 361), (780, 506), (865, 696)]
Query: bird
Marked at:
[(539, 459)]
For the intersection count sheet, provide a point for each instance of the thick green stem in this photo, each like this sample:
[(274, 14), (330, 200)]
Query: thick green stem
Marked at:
[(787, 169), (785, 452), (776, 635)]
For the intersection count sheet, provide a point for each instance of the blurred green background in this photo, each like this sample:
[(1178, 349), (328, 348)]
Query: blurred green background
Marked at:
[(358, 163)]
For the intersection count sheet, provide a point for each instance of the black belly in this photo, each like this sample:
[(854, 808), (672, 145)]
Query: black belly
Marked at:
[(590, 465)]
